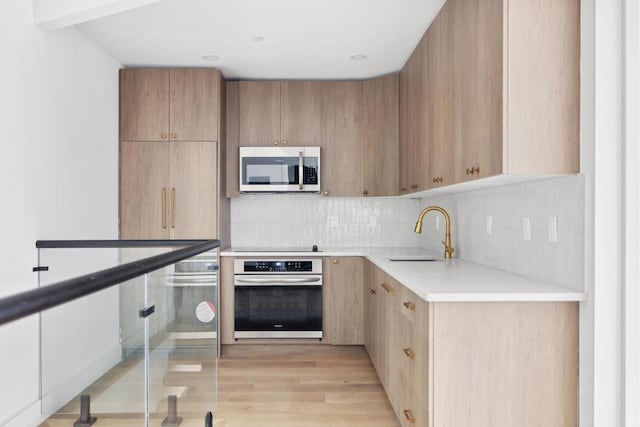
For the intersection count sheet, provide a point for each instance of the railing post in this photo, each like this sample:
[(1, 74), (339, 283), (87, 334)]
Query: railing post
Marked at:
[(172, 418), (85, 412)]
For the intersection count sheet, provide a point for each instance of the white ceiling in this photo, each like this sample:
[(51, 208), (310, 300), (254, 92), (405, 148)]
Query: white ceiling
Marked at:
[(303, 39)]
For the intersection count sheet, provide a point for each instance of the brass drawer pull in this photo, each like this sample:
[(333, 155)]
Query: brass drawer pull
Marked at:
[(409, 353), (409, 305), (164, 208), (173, 208), (387, 288), (409, 416)]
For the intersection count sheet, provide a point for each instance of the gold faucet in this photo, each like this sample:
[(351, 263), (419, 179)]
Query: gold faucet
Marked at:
[(448, 249)]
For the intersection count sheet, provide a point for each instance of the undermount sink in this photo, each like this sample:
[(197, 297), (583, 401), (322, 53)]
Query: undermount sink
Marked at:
[(412, 258)]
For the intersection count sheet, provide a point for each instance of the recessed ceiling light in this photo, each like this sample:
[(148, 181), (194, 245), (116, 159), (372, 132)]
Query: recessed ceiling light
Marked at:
[(210, 57), (257, 38), (358, 57)]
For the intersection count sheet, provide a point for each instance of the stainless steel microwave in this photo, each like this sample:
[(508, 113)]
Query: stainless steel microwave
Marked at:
[(280, 169)]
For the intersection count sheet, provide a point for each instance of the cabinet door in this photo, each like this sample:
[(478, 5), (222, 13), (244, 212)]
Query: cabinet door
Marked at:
[(347, 307), (232, 139), (144, 104), (440, 103), (259, 121), (415, 155), (412, 348), (144, 190), (193, 192), (477, 84), (194, 104), (342, 138), (369, 297), (381, 134), (301, 113)]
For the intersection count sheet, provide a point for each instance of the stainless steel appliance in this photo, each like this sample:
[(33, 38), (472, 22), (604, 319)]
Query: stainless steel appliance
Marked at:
[(194, 287), (280, 169), (278, 298)]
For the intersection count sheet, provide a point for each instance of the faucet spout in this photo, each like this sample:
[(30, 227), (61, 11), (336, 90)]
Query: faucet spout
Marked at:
[(448, 249)]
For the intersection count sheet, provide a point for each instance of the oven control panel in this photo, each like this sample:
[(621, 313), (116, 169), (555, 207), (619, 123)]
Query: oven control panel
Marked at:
[(267, 266)]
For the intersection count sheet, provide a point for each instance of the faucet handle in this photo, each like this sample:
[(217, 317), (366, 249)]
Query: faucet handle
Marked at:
[(448, 249)]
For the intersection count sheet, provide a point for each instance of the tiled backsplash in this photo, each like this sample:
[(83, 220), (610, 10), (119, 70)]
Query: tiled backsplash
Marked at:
[(560, 262), (305, 220)]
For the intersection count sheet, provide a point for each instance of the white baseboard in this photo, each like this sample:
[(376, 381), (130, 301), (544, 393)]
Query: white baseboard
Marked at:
[(30, 416), (62, 393)]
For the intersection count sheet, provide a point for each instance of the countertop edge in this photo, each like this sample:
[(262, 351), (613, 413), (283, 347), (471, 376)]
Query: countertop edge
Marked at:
[(547, 292)]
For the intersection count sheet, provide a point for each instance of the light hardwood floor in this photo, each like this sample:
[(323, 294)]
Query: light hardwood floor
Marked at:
[(283, 386)]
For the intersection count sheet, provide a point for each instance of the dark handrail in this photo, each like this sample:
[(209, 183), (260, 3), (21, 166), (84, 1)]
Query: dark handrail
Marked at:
[(71, 244), (26, 303)]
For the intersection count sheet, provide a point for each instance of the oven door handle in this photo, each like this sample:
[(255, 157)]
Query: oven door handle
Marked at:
[(192, 281), (280, 281)]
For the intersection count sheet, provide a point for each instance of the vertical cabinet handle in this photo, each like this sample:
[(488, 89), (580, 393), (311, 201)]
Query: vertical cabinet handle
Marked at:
[(409, 305), (409, 353), (164, 207), (173, 207), (409, 416), (387, 288), (301, 170)]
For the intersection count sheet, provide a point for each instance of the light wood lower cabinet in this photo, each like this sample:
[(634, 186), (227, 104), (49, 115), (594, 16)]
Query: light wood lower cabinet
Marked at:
[(346, 276), (477, 363)]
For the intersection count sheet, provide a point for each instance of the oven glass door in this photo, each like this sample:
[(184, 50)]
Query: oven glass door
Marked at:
[(278, 311)]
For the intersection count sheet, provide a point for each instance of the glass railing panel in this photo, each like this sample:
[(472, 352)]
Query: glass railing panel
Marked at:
[(184, 346), (94, 345)]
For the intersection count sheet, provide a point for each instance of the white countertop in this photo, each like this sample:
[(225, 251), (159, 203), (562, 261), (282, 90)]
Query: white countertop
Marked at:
[(454, 281)]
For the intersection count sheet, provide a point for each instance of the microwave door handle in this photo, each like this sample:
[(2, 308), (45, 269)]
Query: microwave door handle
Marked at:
[(301, 170)]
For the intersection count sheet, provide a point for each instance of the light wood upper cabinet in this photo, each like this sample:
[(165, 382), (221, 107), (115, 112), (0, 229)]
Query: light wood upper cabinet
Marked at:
[(502, 93), (301, 112), (381, 134), (279, 113), (259, 113), (414, 147), (346, 276), (441, 103), (195, 104), (342, 138), (144, 104), (233, 138), (169, 104), (478, 79)]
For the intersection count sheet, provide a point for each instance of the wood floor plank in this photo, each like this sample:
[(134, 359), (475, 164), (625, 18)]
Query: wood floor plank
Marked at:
[(260, 385)]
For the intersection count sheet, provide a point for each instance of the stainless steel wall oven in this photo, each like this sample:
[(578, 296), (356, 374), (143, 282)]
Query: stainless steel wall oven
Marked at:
[(278, 298)]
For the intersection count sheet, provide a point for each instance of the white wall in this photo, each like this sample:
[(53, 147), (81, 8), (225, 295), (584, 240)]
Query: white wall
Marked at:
[(560, 262), (58, 114), (335, 222)]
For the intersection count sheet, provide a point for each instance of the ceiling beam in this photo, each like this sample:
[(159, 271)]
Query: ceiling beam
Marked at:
[(57, 14)]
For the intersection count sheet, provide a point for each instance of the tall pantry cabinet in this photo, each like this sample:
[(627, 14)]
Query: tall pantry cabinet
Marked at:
[(170, 151)]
